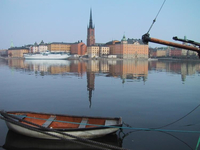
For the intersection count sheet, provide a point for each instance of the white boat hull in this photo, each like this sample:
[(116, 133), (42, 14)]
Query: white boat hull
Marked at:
[(88, 134), (46, 57)]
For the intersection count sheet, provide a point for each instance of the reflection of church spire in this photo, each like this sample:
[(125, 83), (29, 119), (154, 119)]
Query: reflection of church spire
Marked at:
[(90, 85), (90, 97)]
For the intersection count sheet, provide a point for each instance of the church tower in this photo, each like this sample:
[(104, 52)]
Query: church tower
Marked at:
[(90, 32)]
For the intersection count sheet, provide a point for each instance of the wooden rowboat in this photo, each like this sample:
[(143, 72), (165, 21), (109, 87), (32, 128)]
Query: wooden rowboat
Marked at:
[(57, 126)]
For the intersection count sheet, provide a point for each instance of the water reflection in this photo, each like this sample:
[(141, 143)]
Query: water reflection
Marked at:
[(97, 84), (126, 70), (185, 68), (18, 141)]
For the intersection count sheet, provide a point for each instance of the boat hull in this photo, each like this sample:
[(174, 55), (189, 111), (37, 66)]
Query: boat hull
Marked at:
[(87, 134), (46, 57)]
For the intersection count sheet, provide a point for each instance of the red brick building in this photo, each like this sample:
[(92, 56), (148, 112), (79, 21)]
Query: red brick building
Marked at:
[(176, 52), (79, 48)]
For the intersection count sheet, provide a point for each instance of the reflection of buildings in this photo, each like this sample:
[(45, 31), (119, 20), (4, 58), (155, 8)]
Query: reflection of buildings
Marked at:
[(183, 68), (78, 68), (129, 69), (17, 64)]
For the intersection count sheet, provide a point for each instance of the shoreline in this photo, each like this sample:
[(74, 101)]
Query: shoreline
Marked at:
[(149, 59)]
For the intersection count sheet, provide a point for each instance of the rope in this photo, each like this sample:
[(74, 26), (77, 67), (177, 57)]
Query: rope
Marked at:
[(198, 144), (56, 131), (156, 17), (180, 118), (160, 130)]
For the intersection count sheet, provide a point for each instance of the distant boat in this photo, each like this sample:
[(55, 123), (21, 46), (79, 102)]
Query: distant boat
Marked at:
[(47, 55), (48, 62), (56, 126)]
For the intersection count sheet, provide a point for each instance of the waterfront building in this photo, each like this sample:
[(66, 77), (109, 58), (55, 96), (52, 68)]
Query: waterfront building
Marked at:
[(79, 48), (104, 51), (4, 52), (90, 32), (59, 47), (17, 52), (93, 51), (42, 47), (35, 48), (176, 52), (161, 53), (129, 49)]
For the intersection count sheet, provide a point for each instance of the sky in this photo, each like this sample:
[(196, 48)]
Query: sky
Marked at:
[(29, 21)]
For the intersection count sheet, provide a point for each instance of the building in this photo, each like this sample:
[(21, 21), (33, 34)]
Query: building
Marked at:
[(4, 52), (78, 48), (161, 53), (17, 52), (176, 52), (93, 51), (129, 49), (59, 47), (42, 47), (104, 51), (35, 48), (90, 32)]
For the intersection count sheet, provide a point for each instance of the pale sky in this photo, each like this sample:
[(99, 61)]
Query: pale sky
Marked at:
[(29, 21)]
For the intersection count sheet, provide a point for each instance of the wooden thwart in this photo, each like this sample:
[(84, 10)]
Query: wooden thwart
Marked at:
[(83, 123), (110, 122), (49, 121)]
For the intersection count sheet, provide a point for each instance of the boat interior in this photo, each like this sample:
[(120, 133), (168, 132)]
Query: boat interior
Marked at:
[(66, 122)]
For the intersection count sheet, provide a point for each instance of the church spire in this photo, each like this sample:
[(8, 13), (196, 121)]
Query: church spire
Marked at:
[(90, 23)]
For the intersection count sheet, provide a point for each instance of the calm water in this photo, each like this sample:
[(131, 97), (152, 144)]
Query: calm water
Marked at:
[(146, 94)]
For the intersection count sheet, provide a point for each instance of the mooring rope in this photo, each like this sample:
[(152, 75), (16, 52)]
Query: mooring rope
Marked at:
[(198, 142), (8, 117)]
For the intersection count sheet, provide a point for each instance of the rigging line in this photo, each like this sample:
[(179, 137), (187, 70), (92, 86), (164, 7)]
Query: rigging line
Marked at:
[(198, 142), (156, 17), (164, 133), (178, 119), (178, 139)]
